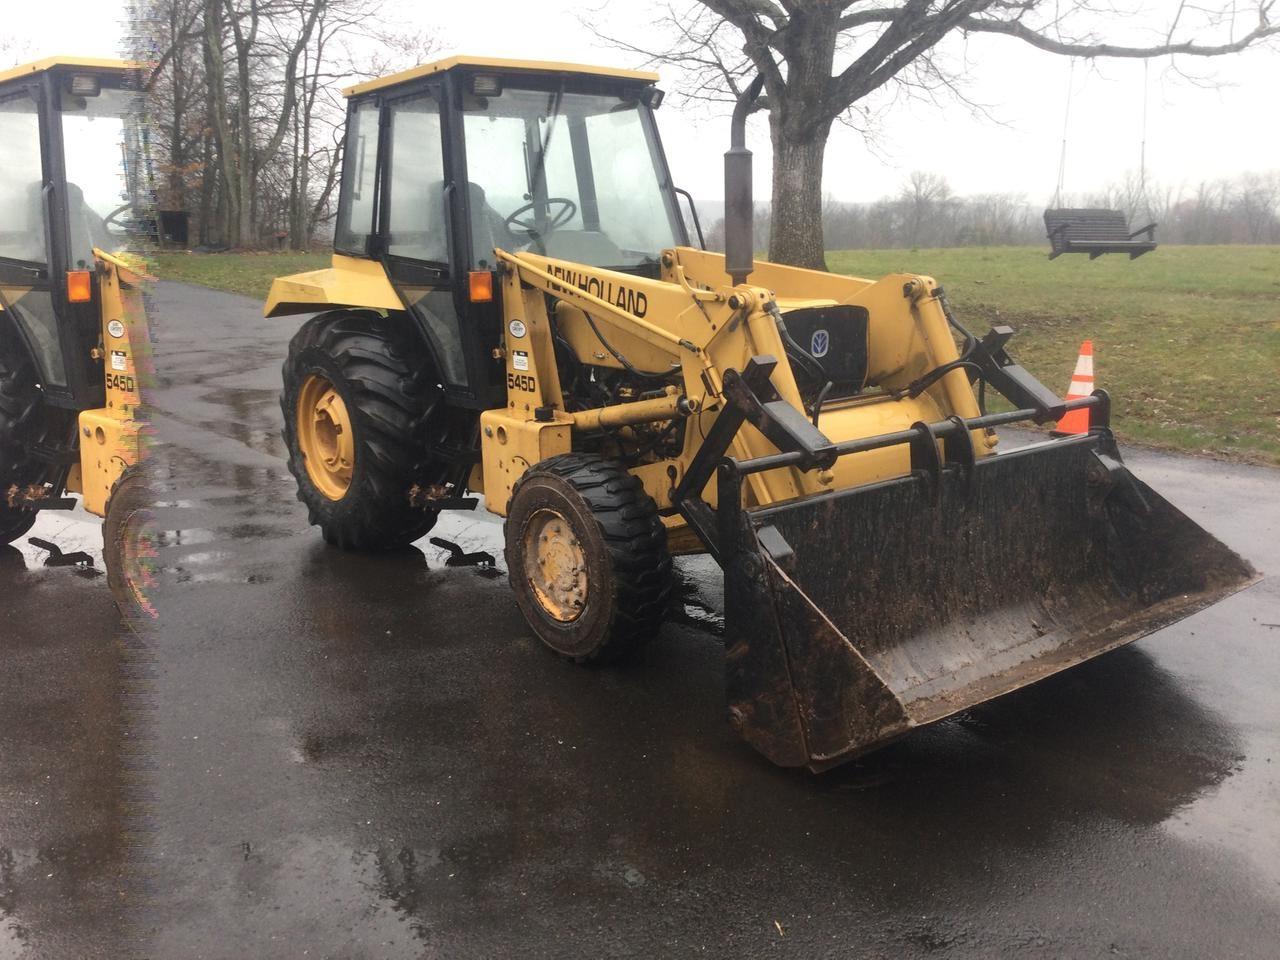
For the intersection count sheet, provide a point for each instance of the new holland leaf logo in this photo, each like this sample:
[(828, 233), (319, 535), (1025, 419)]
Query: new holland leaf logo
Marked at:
[(820, 343)]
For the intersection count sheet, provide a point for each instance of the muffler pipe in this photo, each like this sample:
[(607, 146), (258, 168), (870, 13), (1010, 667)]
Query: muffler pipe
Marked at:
[(739, 205)]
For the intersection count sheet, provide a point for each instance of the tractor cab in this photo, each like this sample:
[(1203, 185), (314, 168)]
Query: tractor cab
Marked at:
[(66, 189), (450, 161), (71, 184)]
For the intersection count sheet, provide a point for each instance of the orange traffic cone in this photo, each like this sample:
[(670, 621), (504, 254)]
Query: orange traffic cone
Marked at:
[(1077, 421)]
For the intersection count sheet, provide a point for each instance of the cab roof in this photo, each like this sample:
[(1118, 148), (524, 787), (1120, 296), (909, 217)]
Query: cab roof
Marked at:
[(501, 65), (49, 63)]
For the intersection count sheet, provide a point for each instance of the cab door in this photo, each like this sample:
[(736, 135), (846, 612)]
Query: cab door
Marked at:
[(414, 228), (26, 289)]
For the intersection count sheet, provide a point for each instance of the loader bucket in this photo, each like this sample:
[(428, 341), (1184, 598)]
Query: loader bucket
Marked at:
[(854, 617)]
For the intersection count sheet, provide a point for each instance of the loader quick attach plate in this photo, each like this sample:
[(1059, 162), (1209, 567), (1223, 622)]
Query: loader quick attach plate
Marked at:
[(854, 617)]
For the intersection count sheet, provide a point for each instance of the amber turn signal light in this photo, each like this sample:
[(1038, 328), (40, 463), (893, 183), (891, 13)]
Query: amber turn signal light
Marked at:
[(481, 284), (79, 286)]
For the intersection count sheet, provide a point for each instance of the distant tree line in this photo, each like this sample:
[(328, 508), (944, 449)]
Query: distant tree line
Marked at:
[(927, 213), (246, 109)]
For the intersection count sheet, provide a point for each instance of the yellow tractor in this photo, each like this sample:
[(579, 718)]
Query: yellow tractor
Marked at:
[(515, 309), (73, 330)]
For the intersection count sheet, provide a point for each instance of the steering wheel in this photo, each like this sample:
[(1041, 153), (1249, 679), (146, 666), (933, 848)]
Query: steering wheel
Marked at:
[(568, 210), (110, 218)]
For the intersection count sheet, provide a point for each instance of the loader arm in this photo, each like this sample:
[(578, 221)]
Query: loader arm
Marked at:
[(708, 330)]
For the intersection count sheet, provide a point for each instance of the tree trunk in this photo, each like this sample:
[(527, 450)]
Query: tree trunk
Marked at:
[(795, 237), (246, 189), (208, 180), (799, 124), (176, 198), (294, 207), (216, 86)]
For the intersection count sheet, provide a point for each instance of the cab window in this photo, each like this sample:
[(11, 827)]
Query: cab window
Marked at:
[(359, 174), (417, 209), (22, 235)]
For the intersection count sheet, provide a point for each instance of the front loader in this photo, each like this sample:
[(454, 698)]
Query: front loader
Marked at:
[(73, 331), (515, 310)]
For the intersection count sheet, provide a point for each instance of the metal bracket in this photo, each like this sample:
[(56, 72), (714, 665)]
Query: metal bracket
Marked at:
[(775, 543), (1112, 475), (750, 398), (957, 449), (54, 503), (926, 461), (456, 558), (57, 558), (783, 425), (1013, 381)]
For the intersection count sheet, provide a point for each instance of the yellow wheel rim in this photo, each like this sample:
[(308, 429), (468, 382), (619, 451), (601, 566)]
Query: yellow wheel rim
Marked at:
[(325, 437), (556, 566)]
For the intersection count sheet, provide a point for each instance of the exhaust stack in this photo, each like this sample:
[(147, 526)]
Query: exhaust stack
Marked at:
[(739, 205)]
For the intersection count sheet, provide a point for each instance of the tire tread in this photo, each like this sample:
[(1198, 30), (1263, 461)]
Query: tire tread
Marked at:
[(635, 538), (377, 361)]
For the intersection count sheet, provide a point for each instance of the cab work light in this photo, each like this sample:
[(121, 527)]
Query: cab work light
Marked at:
[(486, 85), (480, 283), (652, 97), (79, 286), (85, 85)]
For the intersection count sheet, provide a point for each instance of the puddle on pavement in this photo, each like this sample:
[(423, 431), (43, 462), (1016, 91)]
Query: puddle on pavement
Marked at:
[(698, 599), (264, 439), (13, 937), (184, 537)]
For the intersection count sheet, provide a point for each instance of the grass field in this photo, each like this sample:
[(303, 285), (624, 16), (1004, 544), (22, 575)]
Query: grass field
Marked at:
[(247, 273), (1186, 339)]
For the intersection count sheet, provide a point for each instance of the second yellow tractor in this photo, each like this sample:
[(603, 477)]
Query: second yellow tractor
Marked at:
[(515, 309)]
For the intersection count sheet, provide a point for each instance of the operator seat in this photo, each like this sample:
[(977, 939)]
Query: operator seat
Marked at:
[(426, 241)]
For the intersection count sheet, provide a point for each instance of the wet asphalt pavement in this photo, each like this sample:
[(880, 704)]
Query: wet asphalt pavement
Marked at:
[(356, 757), (64, 756)]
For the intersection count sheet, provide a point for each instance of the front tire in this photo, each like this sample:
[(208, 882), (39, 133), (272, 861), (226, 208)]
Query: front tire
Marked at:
[(351, 408), (587, 557), (129, 544)]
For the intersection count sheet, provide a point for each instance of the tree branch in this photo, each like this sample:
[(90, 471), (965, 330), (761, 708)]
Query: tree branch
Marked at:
[(1018, 30)]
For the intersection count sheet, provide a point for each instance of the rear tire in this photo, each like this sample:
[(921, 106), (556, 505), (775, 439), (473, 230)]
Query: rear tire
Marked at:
[(587, 557), (369, 361), (19, 402), (13, 522)]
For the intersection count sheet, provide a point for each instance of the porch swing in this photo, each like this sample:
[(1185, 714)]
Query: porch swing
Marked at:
[(1097, 230)]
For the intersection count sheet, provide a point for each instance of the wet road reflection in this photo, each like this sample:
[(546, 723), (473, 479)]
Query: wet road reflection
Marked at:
[(371, 757), (65, 765)]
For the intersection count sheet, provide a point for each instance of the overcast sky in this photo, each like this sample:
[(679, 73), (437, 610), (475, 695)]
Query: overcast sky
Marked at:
[(1194, 132)]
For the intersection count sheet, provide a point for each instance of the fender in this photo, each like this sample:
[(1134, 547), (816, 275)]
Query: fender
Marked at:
[(351, 282)]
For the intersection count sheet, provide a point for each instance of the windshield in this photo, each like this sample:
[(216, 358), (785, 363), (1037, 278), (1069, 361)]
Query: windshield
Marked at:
[(98, 207), (568, 175)]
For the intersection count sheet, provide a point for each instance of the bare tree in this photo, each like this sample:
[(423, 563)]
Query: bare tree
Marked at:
[(240, 154), (248, 92), (822, 59), (13, 50), (1258, 199), (923, 195)]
